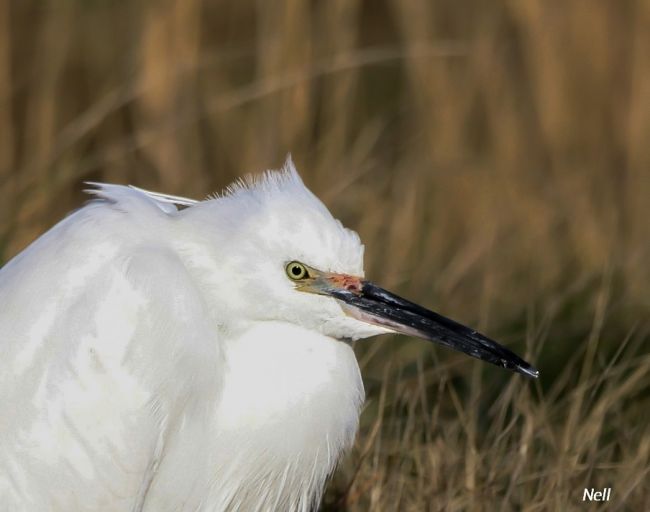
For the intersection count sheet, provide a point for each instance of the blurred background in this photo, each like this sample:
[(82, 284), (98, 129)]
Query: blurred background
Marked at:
[(493, 156)]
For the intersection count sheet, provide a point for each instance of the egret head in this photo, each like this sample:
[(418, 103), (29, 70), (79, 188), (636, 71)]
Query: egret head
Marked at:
[(289, 259)]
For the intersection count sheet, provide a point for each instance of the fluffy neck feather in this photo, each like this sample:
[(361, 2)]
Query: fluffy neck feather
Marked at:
[(289, 409)]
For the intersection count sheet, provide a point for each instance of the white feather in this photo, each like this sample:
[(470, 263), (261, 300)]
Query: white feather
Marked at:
[(160, 360)]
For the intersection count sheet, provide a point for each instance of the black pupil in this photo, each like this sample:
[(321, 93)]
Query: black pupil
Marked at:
[(296, 270)]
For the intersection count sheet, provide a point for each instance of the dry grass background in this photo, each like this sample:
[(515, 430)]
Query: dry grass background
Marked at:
[(494, 157)]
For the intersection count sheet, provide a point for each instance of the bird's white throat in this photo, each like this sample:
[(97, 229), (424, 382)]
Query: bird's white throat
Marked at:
[(289, 408)]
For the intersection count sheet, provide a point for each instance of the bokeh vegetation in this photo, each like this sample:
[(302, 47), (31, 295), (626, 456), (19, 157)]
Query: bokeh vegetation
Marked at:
[(493, 156)]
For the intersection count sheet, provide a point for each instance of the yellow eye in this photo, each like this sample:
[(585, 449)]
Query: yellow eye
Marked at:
[(296, 271)]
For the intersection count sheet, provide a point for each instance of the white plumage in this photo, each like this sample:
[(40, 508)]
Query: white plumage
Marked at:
[(156, 359)]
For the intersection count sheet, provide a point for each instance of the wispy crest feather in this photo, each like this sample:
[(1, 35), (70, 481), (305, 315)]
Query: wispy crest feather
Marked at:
[(268, 182)]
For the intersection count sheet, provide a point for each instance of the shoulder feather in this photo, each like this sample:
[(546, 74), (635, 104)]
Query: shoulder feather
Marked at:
[(128, 197)]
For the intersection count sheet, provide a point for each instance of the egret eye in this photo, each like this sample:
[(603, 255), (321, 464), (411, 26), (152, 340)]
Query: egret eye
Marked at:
[(296, 271)]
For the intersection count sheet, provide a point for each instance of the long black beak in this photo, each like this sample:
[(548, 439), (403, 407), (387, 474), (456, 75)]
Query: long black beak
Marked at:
[(378, 306)]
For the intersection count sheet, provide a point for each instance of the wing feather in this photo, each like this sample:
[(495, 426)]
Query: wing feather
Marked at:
[(106, 357)]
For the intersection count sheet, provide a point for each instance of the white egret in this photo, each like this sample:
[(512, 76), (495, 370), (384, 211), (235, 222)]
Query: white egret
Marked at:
[(164, 359)]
